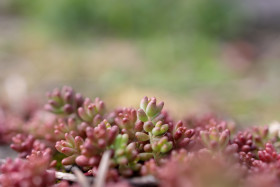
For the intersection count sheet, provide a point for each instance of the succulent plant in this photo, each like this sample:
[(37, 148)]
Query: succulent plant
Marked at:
[(27, 173), (64, 101), (154, 130), (198, 169), (79, 132), (182, 136), (269, 154), (260, 135), (245, 142), (126, 120), (149, 168), (246, 159), (92, 112), (62, 127), (23, 144), (26, 144), (150, 110), (215, 139), (98, 140), (125, 155), (70, 147)]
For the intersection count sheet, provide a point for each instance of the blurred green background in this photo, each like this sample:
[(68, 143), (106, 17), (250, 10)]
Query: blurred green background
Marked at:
[(198, 56)]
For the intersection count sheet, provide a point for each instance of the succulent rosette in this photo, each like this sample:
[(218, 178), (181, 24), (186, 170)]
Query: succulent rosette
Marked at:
[(99, 139), (92, 112), (125, 155), (71, 147), (64, 101), (155, 131)]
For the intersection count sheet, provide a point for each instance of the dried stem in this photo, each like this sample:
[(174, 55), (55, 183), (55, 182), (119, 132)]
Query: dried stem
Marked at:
[(102, 170), (79, 177)]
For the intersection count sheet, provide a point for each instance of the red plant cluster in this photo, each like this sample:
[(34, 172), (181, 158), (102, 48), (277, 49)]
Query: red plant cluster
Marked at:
[(77, 131)]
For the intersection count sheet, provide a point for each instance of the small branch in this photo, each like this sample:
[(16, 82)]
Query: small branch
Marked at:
[(81, 178), (144, 181), (66, 176), (102, 170)]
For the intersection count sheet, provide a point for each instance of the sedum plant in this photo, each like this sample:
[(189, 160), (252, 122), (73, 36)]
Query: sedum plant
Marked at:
[(80, 133), (126, 120), (71, 147), (98, 140), (27, 173), (64, 101), (155, 131), (92, 112), (125, 155)]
